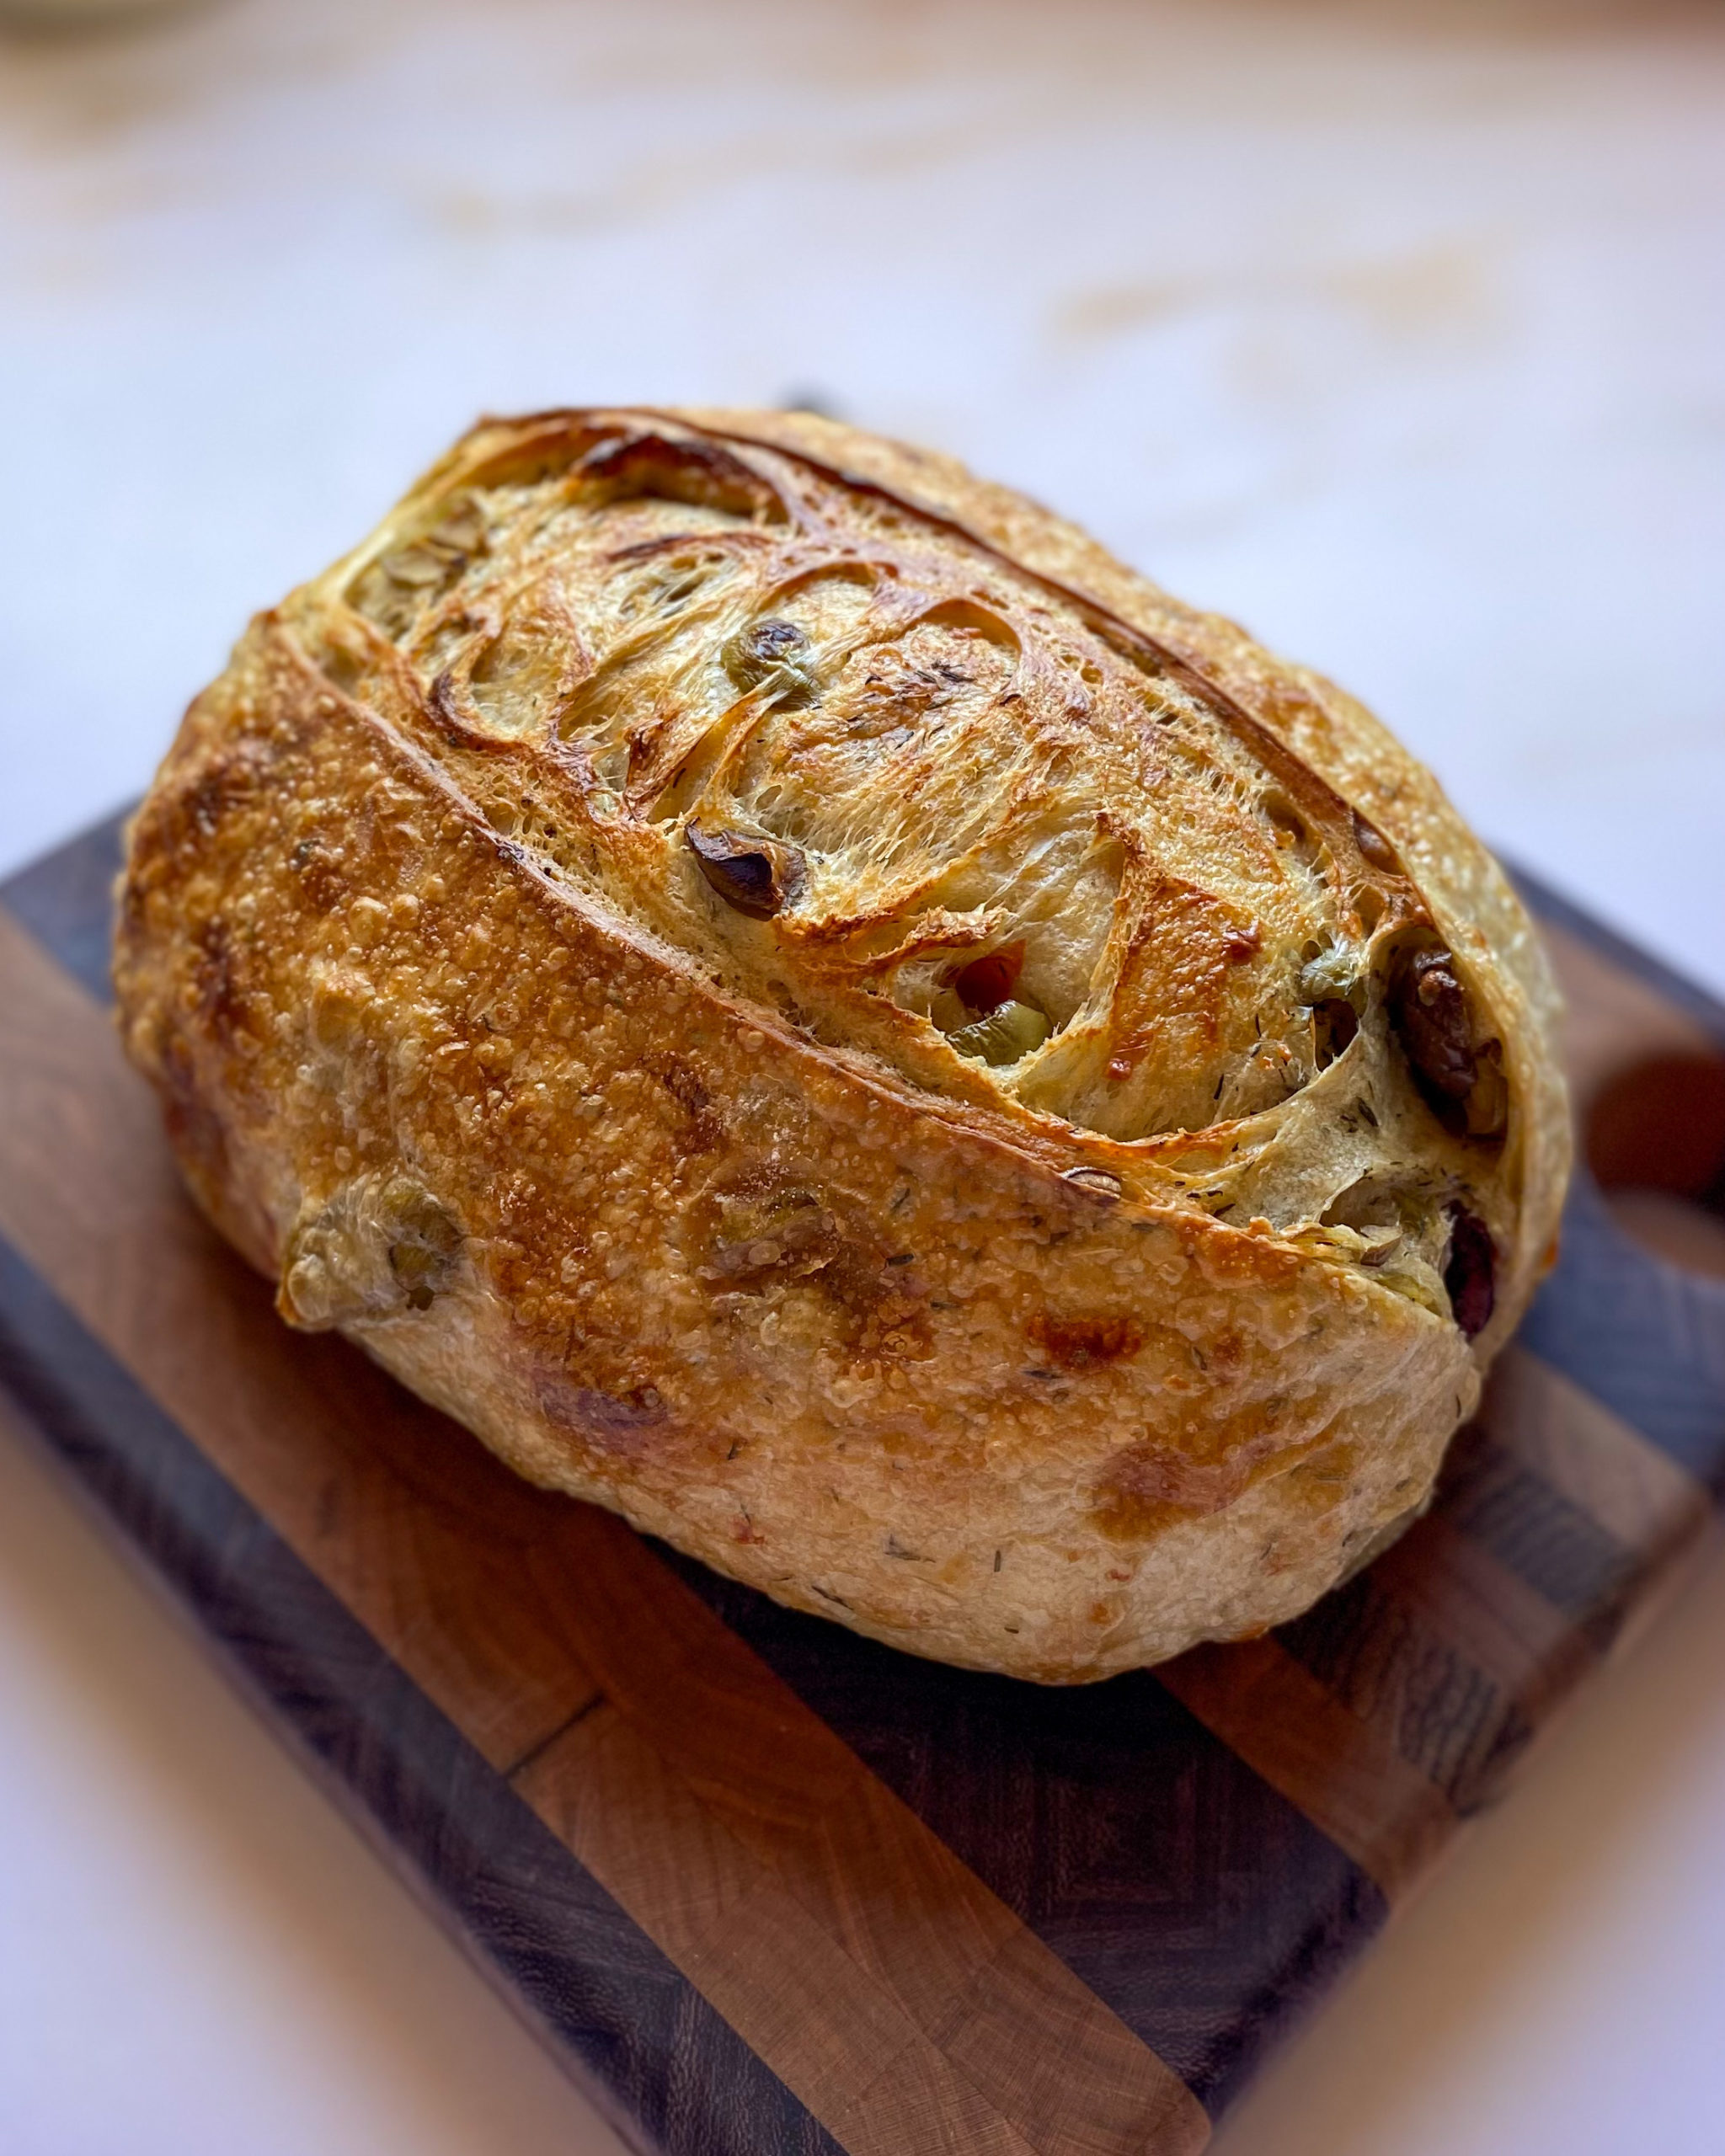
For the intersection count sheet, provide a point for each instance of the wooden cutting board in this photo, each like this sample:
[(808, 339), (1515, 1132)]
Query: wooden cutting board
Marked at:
[(767, 1886)]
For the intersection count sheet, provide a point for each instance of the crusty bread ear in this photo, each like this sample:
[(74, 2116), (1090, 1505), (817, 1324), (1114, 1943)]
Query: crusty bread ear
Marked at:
[(805, 1003)]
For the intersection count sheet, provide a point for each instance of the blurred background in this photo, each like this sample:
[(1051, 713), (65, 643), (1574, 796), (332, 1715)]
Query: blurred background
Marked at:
[(1395, 331)]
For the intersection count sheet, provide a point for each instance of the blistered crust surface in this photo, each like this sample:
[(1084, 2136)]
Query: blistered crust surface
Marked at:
[(805, 1003)]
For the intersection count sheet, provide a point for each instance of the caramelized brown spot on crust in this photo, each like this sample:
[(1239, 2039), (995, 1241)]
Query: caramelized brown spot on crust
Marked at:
[(624, 1423), (223, 786), (705, 1130), (1082, 1343), (1150, 1487), (1243, 944)]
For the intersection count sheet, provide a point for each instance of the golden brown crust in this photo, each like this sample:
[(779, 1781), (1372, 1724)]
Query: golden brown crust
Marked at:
[(805, 1003)]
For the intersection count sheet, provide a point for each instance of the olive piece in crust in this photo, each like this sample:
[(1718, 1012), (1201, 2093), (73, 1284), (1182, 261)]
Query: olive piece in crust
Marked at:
[(1436, 1026), (776, 656), (756, 876), (808, 1004), (1470, 1272)]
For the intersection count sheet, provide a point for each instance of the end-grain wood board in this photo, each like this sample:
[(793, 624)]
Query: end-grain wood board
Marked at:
[(767, 1886)]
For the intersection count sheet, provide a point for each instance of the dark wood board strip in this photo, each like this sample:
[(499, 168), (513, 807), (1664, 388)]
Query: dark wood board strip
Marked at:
[(1644, 1337), (66, 901), (653, 2055), (1165, 1872)]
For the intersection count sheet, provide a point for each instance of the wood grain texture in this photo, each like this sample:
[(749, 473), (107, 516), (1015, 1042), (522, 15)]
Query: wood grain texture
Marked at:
[(1341, 1768), (917, 1933), (1403, 1702), (767, 1885), (651, 2052), (1577, 1499), (1151, 1859), (770, 1966)]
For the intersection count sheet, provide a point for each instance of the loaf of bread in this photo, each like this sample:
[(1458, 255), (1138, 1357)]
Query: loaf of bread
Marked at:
[(805, 1003)]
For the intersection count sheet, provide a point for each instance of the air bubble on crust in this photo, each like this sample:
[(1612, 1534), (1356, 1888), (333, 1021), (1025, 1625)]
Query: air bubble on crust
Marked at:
[(1289, 830), (699, 473)]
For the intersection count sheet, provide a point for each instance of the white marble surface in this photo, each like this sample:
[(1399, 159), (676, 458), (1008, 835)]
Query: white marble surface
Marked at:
[(1395, 331)]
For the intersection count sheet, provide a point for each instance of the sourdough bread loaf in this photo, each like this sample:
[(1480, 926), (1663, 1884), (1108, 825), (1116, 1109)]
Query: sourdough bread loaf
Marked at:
[(803, 1002)]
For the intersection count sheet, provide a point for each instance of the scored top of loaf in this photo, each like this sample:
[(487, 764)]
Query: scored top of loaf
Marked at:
[(920, 768)]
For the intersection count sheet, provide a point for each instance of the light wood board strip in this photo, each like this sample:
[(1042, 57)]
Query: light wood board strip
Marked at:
[(1343, 1760), (1647, 1501), (723, 1916), (1343, 1772), (903, 1908)]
